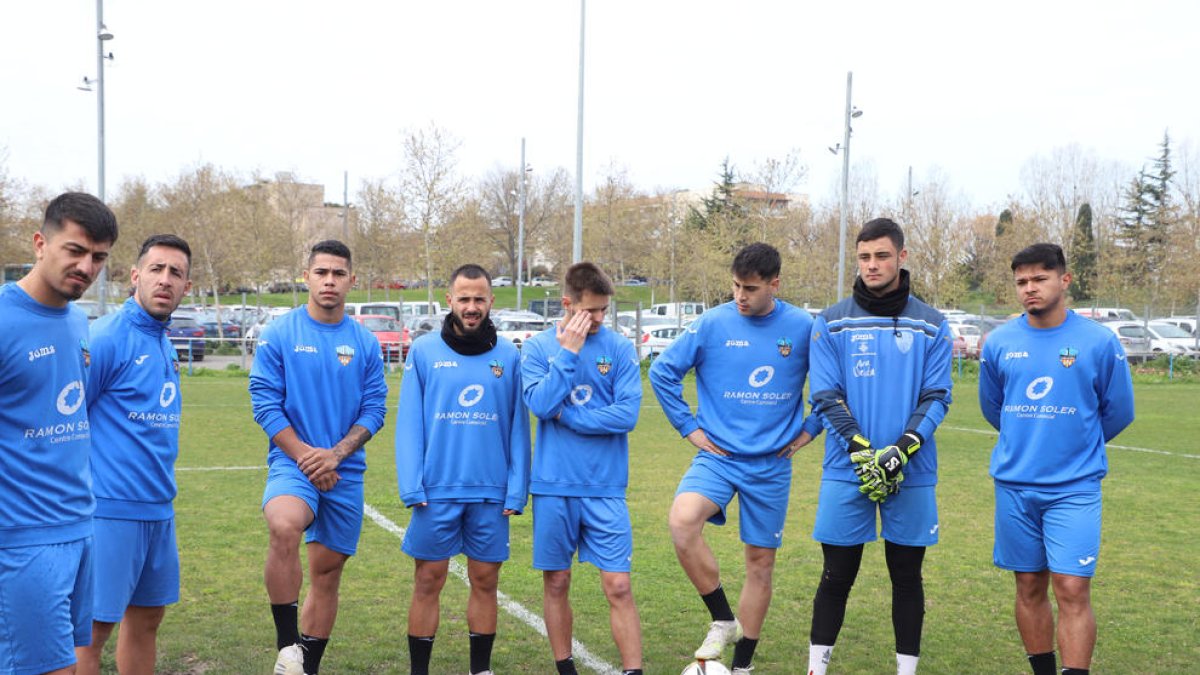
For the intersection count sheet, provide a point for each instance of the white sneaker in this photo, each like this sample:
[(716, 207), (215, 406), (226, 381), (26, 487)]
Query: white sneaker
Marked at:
[(290, 661), (720, 633), (743, 671)]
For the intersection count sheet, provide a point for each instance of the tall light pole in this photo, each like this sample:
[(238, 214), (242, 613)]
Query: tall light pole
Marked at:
[(577, 247), (521, 227), (102, 35), (851, 112)]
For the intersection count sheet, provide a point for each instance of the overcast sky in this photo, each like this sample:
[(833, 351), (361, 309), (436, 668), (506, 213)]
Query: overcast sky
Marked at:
[(672, 87)]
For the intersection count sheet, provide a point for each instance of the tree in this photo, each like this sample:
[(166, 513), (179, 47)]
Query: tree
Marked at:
[(429, 187), (381, 248), (937, 241), (1083, 255)]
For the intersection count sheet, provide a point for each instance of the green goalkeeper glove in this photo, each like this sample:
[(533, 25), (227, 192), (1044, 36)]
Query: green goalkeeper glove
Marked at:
[(892, 459), (876, 487), (860, 454)]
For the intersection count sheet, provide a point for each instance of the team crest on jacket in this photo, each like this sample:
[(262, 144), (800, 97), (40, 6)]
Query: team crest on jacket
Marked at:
[(87, 355), (784, 344), (603, 364), (345, 354), (497, 367), (1066, 356)]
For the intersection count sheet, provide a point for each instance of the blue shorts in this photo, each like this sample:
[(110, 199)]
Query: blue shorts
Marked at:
[(598, 527), (846, 517), (1059, 531), (337, 514), (136, 563), (442, 530), (45, 605), (762, 485)]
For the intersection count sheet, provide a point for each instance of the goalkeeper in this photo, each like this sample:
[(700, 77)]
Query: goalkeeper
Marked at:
[(880, 382)]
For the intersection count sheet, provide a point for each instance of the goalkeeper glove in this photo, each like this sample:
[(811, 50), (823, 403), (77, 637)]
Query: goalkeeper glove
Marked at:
[(860, 453), (875, 486), (893, 458)]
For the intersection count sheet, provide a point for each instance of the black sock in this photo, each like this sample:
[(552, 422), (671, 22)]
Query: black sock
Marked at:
[(314, 649), (1074, 671), (632, 671), (481, 651), (566, 666), (908, 595), (718, 605), (829, 604), (419, 651), (287, 631), (1043, 664), (743, 652)]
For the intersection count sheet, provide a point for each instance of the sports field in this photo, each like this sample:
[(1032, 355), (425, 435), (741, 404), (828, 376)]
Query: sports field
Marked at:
[(1146, 593)]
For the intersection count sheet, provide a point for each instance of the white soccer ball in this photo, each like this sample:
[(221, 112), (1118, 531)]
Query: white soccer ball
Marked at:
[(705, 668)]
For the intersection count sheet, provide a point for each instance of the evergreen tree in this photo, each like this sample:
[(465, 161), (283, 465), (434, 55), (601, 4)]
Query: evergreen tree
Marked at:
[(1004, 222), (1083, 255), (721, 203)]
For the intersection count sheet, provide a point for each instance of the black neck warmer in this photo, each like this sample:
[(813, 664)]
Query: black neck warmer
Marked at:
[(890, 304), (469, 344)]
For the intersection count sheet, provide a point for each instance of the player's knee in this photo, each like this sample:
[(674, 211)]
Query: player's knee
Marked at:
[(428, 581), (760, 565), (284, 535), (618, 589), (557, 583), (685, 527), (485, 582), (1073, 593)]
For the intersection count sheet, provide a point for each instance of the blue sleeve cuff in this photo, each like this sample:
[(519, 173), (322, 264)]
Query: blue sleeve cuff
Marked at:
[(688, 426), (274, 425)]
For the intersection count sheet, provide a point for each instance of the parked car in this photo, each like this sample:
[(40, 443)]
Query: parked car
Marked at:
[(687, 310), (1187, 323), (1134, 338), (288, 287), (542, 281), (656, 340), (519, 326), (551, 308), (394, 337), (228, 328), (501, 282), (970, 336), (628, 321), (391, 309), (1167, 337), (422, 308), (958, 347), (187, 336), (1107, 313), (423, 323), (394, 284), (633, 281)]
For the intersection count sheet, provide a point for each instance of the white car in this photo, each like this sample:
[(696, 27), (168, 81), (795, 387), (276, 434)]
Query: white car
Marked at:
[(518, 329), (970, 334), (501, 282), (543, 281), (1135, 338), (1166, 335), (656, 340)]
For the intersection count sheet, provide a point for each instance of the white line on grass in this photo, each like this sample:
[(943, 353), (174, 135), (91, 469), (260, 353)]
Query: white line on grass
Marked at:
[(220, 468), (509, 605), (989, 432)]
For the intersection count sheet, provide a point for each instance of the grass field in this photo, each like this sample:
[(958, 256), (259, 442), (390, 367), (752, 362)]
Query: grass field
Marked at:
[(1145, 594)]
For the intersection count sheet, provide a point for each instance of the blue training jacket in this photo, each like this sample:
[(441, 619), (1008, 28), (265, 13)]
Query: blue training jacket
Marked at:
[(879, 377), (462, 430), (45, 483), (1056, 395), (320, 379), (750, 373), (586, 405), (134, 406)]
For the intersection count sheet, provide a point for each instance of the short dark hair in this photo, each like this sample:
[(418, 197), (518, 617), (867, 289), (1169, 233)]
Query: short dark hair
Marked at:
[(586, 276), (757, 258), (470, 271), (90, 213), (169, 241), (882, 227), (1049, 256), (331, 247)]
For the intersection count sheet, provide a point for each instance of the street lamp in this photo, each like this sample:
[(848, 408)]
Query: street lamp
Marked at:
[(577, 244), (844, 148), (525, 169), (102, 35)]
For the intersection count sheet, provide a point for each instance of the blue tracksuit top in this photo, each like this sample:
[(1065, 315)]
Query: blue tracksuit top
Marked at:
[(134, 406), (750, 373), (586, 405), (1056, 395), (320, 379), (462, 430), (45, 482), (880, 376)]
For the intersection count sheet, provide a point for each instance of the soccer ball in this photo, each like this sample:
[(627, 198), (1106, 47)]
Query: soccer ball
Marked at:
[(705, 668)]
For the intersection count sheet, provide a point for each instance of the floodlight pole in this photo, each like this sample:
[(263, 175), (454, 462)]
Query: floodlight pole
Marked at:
[(577, 247), (841, 275), (101, 35), (521, 227)]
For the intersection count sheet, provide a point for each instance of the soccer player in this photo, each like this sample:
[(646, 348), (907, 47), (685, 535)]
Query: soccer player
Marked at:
[(133, 405), (318, 392), (462, 462), (880, 383), (583, 382), (751, 359), (46, 501), (1057, 387)]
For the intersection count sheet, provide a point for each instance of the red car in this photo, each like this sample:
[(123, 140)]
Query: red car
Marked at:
[(393, 336)]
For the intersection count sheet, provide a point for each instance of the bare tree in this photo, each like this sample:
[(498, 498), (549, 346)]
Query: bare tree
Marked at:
[(429, 186)]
